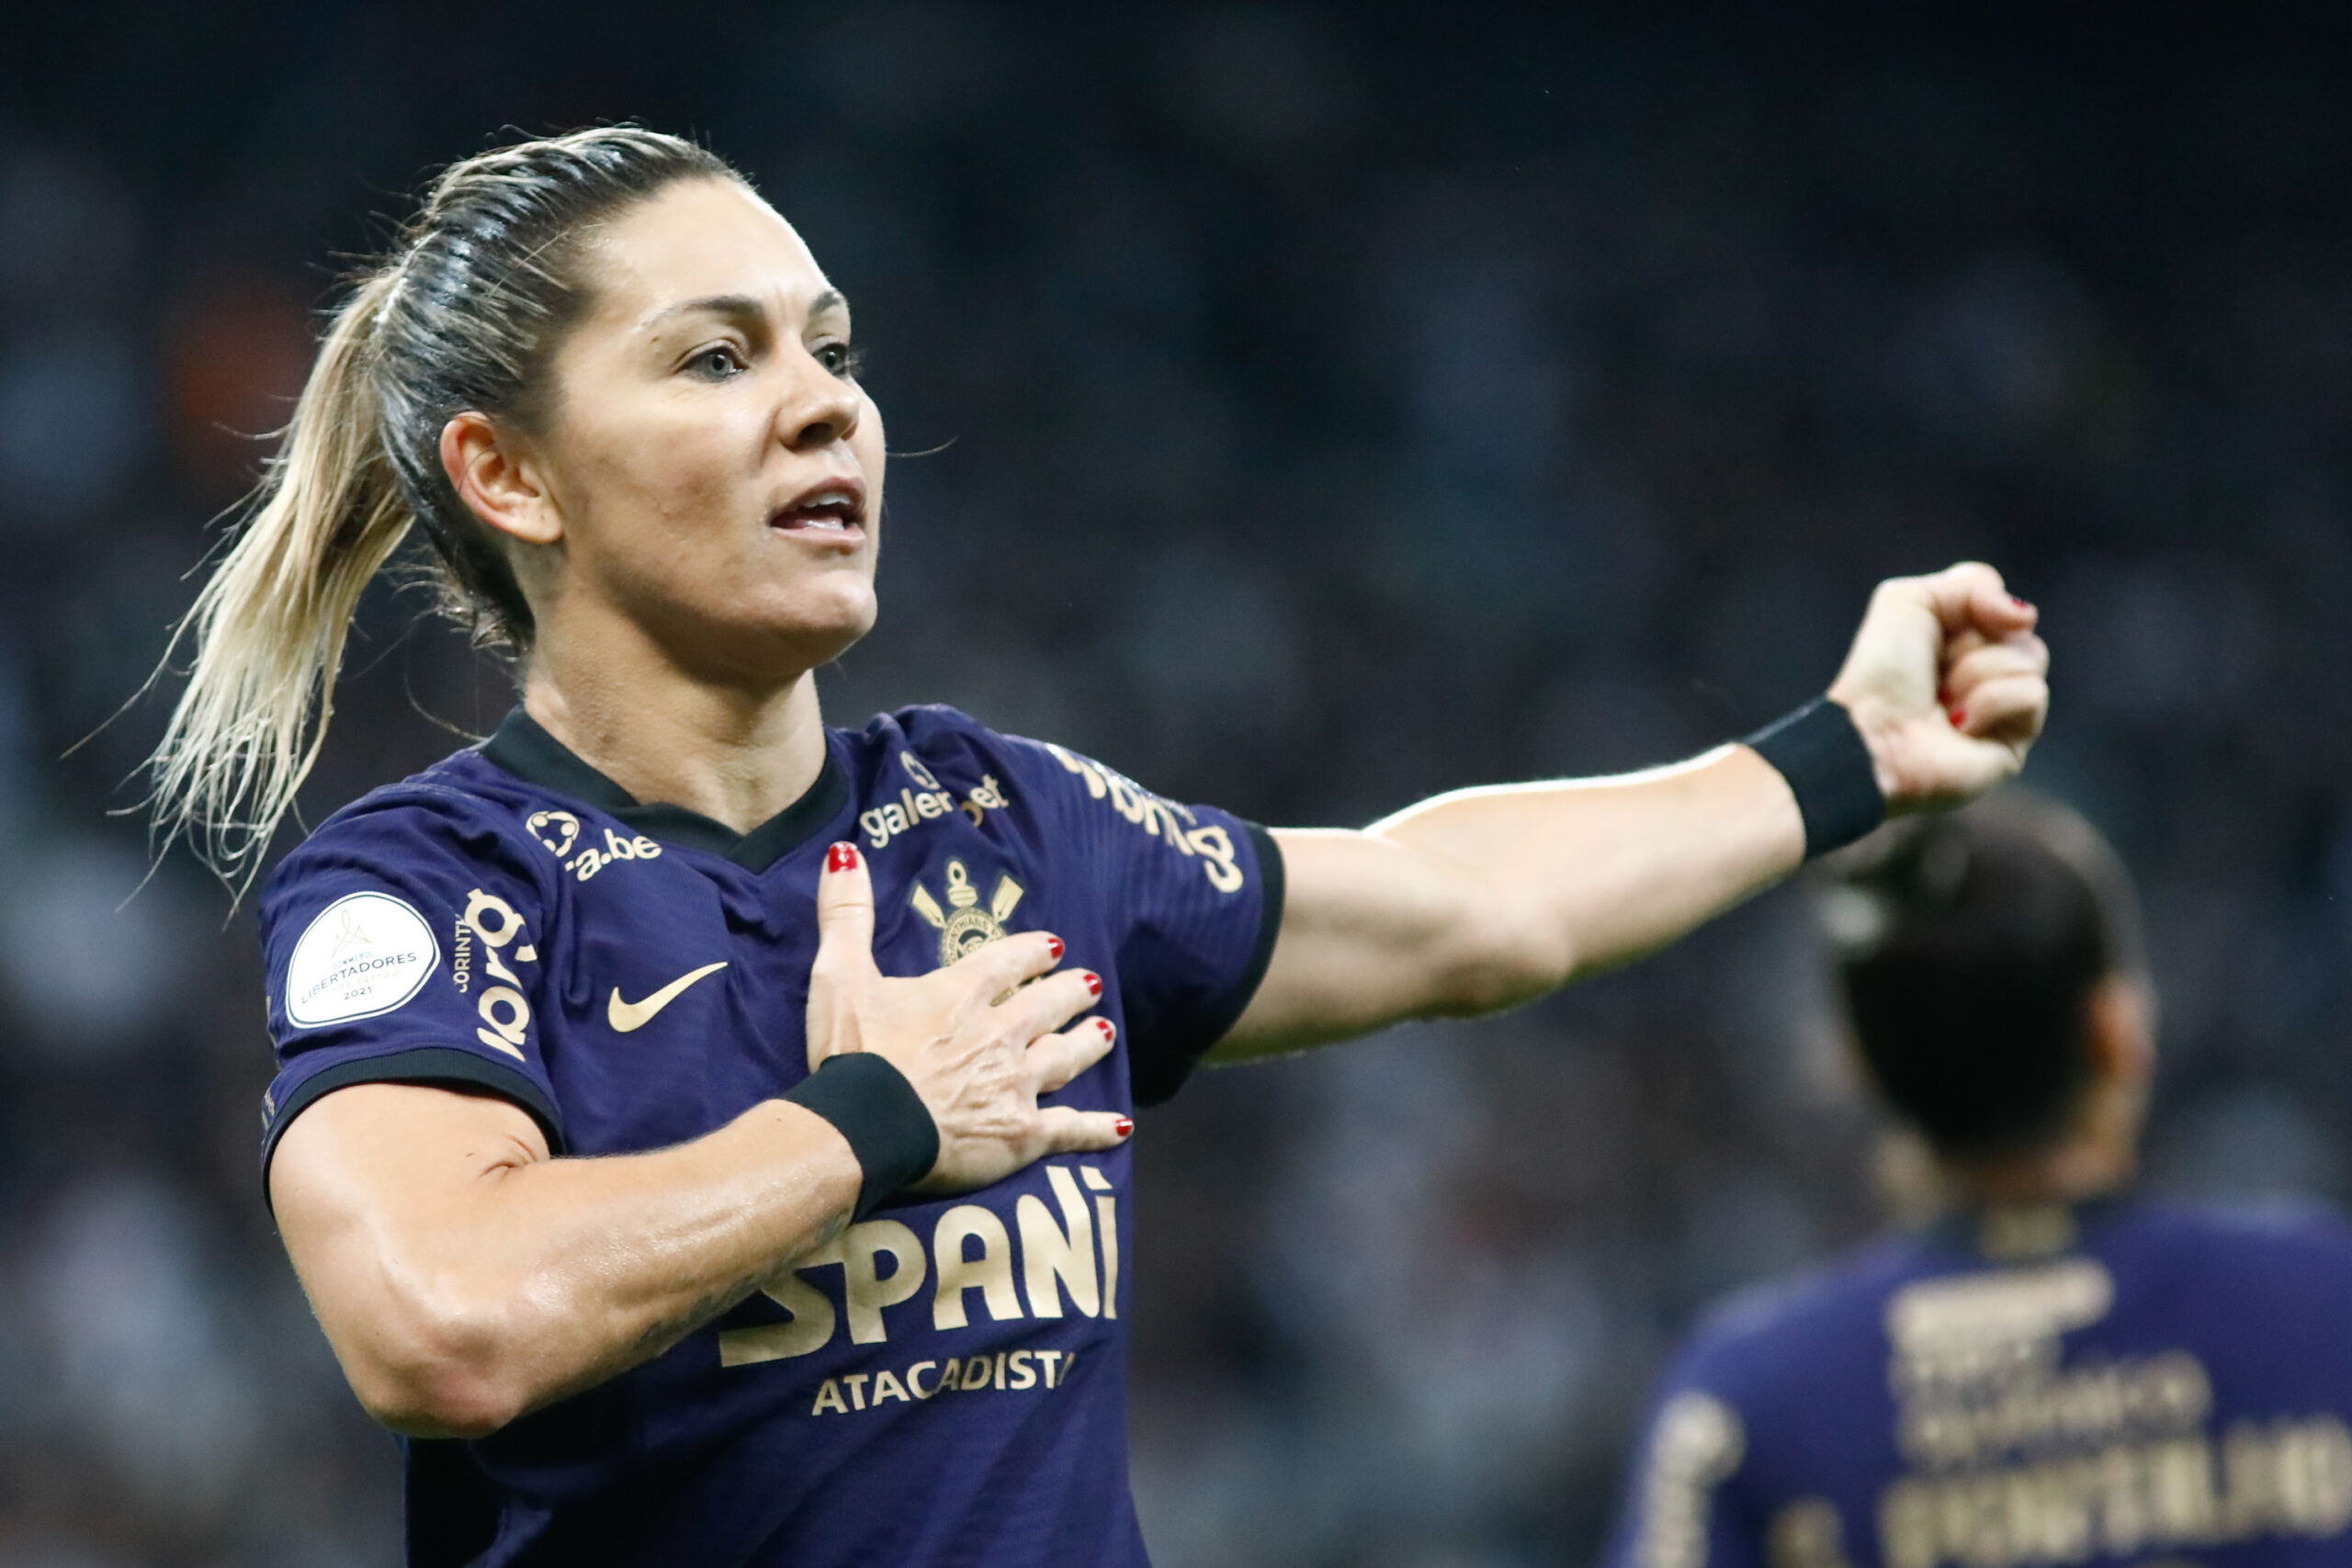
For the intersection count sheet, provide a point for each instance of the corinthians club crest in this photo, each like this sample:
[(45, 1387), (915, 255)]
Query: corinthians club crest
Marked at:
[(963, 925)]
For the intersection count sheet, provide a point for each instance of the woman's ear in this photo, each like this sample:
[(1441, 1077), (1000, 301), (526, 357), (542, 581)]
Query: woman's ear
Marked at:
[(2122, 1034), (495, 475)]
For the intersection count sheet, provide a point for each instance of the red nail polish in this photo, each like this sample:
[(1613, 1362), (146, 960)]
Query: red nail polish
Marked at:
[(842, 857), (2019, 603), (1053, 947), (1958, 718), (1110, 1031), (1124, 1126), (1094, 983)]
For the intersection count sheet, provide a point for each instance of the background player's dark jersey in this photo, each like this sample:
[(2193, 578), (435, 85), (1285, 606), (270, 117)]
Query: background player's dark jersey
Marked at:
[(945, 1384), (2128, 1383)]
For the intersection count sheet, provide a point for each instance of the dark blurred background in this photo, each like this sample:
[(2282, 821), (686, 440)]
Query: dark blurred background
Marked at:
[(1323, 407)]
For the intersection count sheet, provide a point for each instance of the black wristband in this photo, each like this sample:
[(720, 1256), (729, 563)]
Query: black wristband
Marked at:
[(889, 1130), (1829, 770)]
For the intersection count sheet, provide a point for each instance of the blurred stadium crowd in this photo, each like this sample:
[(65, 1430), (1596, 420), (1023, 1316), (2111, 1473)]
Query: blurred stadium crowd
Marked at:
[(1304, 409)]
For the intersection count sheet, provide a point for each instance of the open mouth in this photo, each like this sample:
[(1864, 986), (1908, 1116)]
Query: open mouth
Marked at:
[(836, 508)]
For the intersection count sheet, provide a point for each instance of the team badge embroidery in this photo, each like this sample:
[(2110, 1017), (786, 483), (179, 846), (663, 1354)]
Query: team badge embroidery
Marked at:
[(964, 925)]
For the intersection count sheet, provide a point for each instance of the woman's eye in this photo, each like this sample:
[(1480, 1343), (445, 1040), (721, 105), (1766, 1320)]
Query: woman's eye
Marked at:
[(839, 357), (717, 363)]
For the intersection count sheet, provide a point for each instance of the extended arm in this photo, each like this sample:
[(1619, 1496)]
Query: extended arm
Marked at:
[(465, 1277), (1484, 899)]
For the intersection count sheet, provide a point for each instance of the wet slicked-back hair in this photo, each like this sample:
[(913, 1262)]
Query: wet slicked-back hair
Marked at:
[(465, 312), (1968, 947)]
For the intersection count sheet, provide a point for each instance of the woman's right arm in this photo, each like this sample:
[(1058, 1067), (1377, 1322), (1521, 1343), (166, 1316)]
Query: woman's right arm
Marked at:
[(466, 1277)]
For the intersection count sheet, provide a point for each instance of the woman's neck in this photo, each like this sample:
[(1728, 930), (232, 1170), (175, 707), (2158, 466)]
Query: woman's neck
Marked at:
[(734, 754), (2071, 1173)]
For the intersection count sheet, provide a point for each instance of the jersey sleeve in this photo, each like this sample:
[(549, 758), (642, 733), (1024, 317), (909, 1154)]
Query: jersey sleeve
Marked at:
[(1196, 895), (1683, 1506), (403, 944)]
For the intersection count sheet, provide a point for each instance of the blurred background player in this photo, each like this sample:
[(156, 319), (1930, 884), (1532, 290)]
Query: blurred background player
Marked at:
[(2057, 1370)]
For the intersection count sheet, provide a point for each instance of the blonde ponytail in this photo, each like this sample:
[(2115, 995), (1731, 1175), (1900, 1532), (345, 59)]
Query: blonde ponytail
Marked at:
[(270, 625)]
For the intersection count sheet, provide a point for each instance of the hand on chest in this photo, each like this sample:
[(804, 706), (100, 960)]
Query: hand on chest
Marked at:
[(684, 981)]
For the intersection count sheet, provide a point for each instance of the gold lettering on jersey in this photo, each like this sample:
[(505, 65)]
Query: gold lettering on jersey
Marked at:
[(928, 801), (2020, 1460), (964, 925), (1960, 1330), (1807, 1534), (1175, 824), (868, 1289), (1010, 1370), (991, 1273), (1106, 1211), (504, 1012), (589, 862), (2290, 1477), (809, 1325), (558, 832), (1058, 1256), (1071, 1256), (988, 796), (2170, 1393), (1698, 1441)]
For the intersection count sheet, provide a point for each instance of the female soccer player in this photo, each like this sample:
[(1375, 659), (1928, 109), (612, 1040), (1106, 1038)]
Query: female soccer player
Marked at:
[(702, 1132)]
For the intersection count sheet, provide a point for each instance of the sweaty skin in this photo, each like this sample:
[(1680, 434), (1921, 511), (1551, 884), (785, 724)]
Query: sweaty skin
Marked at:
[(671, 531)]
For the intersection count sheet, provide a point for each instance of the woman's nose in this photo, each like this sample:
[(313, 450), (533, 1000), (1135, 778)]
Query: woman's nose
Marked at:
[(819, 407)]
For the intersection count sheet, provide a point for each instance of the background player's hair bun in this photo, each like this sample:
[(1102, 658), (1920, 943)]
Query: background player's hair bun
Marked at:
[(1968, 947)]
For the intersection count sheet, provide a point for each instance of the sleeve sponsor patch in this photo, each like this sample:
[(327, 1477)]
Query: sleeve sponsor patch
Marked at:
[(365, 954)]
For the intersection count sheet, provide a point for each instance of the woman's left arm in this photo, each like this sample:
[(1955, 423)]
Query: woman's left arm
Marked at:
[(1486, 898)]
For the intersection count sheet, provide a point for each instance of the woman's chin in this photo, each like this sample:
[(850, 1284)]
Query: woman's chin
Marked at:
[(815, 634), (768, 637)]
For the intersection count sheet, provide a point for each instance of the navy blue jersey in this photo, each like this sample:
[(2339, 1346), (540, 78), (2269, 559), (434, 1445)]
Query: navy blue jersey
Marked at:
[(944, 1383), (2123, 1383)]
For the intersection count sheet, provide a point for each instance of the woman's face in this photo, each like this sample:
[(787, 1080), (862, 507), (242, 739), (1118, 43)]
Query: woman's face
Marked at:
[(714, 465)]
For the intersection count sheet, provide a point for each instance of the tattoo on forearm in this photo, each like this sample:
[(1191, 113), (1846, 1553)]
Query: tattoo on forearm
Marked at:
[(659, 1336), (665, 1332)]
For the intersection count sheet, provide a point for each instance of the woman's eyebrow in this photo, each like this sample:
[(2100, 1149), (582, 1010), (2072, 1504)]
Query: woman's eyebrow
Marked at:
[(742, 309)]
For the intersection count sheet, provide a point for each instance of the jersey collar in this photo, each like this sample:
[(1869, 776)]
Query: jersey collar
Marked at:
[(2027, 1233), (523, 748)]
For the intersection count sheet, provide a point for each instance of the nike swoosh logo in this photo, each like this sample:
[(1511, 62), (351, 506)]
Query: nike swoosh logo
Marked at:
[(626, 1015)]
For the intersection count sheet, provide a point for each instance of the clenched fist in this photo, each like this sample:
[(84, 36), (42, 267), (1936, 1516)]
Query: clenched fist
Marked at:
[(1947, 682)]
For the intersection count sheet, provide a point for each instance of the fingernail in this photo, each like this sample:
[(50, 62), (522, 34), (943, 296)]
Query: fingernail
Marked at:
[(2019, 603), (1110, 1031), (1052, 947), (1958, 718), (842, 857), (1094, 983), (1124, 1126)]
